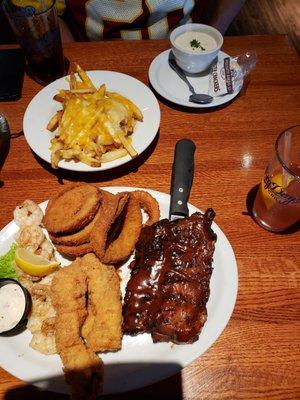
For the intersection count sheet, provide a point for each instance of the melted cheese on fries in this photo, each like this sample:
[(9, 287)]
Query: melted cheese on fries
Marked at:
[(94, 125)]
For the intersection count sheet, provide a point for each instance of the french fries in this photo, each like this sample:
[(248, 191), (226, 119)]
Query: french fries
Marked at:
[(94, 125)]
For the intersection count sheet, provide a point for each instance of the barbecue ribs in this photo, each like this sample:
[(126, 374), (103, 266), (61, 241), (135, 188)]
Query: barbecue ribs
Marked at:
[(169, 285)]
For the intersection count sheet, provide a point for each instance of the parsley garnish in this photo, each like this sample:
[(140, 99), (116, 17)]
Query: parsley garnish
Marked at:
[(195, 44)]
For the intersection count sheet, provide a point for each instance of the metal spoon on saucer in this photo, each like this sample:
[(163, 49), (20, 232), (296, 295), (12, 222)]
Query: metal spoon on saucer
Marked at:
[(194, 97)]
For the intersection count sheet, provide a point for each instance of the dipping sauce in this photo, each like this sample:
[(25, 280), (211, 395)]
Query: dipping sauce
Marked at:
[(195, 41), (12, 306)]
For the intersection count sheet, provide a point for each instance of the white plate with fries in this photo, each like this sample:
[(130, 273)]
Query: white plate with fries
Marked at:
[(91, 121)]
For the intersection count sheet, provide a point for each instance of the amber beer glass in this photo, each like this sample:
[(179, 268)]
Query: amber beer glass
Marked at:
[(35, 24), (277, 203)]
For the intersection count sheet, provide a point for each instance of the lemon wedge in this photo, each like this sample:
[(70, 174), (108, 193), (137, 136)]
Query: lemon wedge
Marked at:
[(33, 264)]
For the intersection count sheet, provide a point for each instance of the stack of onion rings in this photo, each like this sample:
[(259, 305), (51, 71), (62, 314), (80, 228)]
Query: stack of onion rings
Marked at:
[(83, 219)]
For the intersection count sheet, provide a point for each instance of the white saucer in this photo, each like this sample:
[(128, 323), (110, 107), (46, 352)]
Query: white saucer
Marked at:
[(168, 84)]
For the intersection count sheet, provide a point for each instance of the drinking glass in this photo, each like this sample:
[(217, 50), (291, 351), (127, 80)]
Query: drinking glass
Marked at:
[(277, 203), (37, 31)]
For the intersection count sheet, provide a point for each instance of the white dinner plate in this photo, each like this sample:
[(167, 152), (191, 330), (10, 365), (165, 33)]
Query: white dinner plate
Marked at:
[(170, 86), (140, 362), (42, 107)]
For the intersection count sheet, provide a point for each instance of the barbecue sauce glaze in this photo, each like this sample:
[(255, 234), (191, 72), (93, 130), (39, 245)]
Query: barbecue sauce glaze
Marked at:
[(169, 285)]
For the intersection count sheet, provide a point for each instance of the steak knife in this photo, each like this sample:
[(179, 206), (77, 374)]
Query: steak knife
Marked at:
[(4, 139), (182, 178)]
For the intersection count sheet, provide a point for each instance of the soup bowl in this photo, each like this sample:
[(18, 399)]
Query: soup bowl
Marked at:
[(195, 46)]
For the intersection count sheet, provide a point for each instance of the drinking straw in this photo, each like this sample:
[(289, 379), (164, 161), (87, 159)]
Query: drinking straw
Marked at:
[(287, 137)]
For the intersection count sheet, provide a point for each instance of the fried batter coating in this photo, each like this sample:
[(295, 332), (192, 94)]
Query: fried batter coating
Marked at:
[(149, 204), (123, 198), (112, 232), (68, 298), (103, 326), (110, 205), (77, 238), (121, 248), (84, 370), (72, 208), (72, 282), (48, 326), (75, 251)]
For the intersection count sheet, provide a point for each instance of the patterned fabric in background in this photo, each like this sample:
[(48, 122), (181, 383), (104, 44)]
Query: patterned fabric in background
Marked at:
[(125, 19), (129, 19)]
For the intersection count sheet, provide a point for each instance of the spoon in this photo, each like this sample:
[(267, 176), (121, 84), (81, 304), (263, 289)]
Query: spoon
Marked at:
[(194, 97)]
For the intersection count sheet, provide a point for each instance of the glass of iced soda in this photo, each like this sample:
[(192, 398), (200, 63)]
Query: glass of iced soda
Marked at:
[(277, 203), (35, 24)]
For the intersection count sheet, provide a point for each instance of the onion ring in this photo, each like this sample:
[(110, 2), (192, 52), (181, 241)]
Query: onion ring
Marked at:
[(72, 208), (149, 204), (75, 251), (121, 248), (77, 238), (112, 206)]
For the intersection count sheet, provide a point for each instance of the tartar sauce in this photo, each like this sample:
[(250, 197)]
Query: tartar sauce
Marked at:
[(12, 306), (196, 41)]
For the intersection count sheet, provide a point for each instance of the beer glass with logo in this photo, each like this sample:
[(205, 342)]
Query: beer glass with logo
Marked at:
[(277, 203), (35, 24)]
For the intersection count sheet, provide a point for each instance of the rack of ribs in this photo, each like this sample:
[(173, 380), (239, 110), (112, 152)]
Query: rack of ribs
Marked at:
[(169, 284)]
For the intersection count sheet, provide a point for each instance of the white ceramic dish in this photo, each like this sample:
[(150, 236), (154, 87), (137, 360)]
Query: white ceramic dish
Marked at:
[(194, 62), (140, 362), (42, 107), (168, 84)]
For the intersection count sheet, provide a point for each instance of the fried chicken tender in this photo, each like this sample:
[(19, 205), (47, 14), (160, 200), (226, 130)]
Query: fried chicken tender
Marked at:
[(103, 326)]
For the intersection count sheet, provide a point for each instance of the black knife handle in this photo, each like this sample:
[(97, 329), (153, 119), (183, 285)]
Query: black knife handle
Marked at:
[(4, 139), (182, 177)]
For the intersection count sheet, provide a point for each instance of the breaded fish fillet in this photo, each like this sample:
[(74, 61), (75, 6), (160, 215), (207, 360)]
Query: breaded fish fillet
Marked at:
[(68, 288), (84, 370), (103, 326)]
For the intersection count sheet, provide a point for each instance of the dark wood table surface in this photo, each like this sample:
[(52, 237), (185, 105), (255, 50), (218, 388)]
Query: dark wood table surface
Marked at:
[(257, 355)]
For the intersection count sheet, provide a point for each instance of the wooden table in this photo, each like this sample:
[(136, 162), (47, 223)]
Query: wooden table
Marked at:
[(258, 353)]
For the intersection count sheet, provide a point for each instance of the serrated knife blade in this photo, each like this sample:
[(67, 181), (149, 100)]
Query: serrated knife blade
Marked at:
[(182, 178)]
